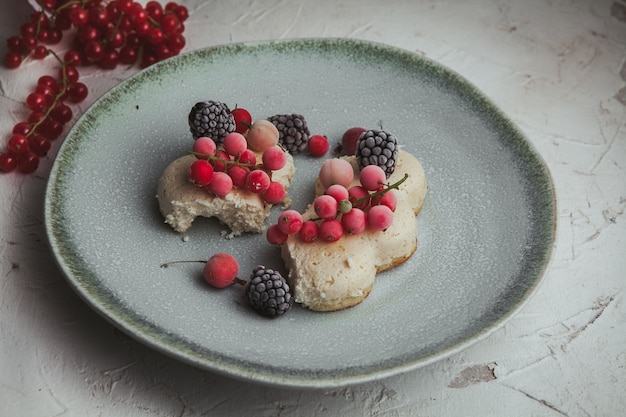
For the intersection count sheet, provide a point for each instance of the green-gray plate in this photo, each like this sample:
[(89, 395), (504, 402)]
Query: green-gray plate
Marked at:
[(486, 231)]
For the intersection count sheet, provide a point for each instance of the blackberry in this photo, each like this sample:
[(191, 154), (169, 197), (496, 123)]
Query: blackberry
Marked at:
[(377, 147), (293, 132), (268, 292), (212, 119)]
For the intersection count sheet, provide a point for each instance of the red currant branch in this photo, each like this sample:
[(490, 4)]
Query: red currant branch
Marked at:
[(105, 33)]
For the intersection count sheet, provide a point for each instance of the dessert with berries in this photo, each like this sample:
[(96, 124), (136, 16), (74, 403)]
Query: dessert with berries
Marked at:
[(362, 222), (233, 177)]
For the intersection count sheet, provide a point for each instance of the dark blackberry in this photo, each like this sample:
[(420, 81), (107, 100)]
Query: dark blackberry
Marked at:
[(293, 133), (377, 147), (268, 292), (212, 119)]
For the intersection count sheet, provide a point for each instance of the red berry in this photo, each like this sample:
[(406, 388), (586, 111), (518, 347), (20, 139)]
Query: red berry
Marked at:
[(336, 171), (36, 102), (309, 231), (338, 192), (330, 230), (219, 163), (77, 92), (238, 174), (235, 144), (379, 217), (318, 145), (388, 199), (27, 162), (22, 128), (79, 16), (354, 221), (325, 206), (170, 24), (204, 146), (275, 193), (247, 157), (275, 236), (258, 181), (274, 158), (243, 119), (12, 60), (40, 52), (221, 184), (372, 177), (8, 162), (359, 197), (201, 172), (39, 144), (17, 145), (221, 270), (290, 221), (61, 113), (349, 140)]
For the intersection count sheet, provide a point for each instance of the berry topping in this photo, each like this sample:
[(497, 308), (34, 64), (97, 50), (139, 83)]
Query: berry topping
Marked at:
[(243, 119), (377, 147), (293, 131), (268, 292), (372, 177), (211, 118), (290, 221)]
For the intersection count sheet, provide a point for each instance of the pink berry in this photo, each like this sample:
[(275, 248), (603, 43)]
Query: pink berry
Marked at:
[(388, 199), (379, 217), (354, 221), (338, 192), (330, 230), (290, 222), (201, 172), (258, 181), (243, 119), (309, 231), (275, 236), (372, 177), (359, 197), (247, 157), (221, 270), (219, 164), (318, 145), (274, 158), (235, 144), (350, 139), (205, 146), (325, 206), (274, 194), (262, 135), (336, 171), (221, 184), (238, 174)]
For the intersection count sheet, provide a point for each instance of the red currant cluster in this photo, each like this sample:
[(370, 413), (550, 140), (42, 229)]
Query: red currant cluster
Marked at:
[(344, 208), (106, 34)]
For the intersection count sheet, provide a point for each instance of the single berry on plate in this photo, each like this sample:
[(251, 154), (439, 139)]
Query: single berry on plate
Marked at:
[(268, 292), (377, 147), (318, 145), (211, 118), (293, 131), (221, 270)]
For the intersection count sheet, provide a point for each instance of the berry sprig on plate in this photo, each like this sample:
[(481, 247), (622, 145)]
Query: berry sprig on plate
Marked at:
[(226, 143), (104, 34), (346, 208)]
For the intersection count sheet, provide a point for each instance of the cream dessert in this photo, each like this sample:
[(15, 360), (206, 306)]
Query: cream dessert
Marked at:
[(333, 276), (181, 201)]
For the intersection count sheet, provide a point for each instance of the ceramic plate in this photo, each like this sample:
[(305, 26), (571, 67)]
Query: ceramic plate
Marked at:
[(485, 233)]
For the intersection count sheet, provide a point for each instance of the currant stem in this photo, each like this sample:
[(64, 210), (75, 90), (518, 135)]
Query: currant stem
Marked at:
[(225, 161), (166, 264)]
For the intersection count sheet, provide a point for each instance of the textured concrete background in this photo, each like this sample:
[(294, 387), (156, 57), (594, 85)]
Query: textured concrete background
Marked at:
[(556, 67)]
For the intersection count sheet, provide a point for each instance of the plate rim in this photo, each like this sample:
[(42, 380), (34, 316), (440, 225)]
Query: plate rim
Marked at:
[(234, 368)]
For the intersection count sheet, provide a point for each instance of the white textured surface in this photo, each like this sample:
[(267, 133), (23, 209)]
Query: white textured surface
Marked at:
[(557, 68)]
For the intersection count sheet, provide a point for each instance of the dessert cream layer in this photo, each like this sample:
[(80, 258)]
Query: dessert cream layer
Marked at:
[(181, 201), (334, 276)]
